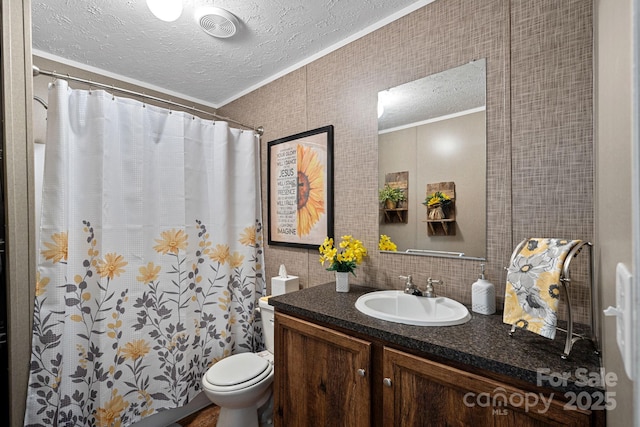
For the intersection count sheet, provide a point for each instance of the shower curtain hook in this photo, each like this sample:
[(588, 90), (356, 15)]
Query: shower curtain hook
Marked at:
[(113, 93)]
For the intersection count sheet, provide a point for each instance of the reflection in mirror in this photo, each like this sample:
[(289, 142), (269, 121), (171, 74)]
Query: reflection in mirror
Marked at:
[(433, 132)]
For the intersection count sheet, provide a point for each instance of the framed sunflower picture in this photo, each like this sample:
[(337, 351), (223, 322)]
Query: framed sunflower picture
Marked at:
[(300, 189)]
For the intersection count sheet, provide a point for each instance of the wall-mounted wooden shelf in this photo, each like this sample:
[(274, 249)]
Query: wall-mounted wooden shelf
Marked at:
[(442, 226), (395, 215), (399, 214)]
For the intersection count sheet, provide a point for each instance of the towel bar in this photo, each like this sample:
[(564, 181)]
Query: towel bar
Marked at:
[(565, 280)]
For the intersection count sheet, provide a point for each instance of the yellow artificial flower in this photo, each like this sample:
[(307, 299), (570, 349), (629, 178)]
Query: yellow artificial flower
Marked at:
[(112, 265), (171, 241), (58, 250), (385, 243), (220, 254), (136, 349), (248, 237), (149, 273), (437, 198), (310, 194), (351, 253), (327, 251)]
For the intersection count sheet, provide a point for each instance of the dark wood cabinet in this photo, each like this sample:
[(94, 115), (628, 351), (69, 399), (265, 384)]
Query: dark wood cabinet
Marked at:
[(321, 376), (324, 377), (420, 392)]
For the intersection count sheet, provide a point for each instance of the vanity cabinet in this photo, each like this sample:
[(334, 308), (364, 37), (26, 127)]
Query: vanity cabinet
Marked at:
[(321, 376), (325, 377), (420, 392)]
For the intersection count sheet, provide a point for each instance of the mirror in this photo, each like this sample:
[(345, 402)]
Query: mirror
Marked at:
[(432, 138)]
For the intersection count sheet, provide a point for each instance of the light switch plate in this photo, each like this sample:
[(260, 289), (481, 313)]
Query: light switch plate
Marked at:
[(623, 320)]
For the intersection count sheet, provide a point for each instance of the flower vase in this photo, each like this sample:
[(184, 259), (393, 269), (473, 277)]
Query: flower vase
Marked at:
[(342, 281), (436, 212)]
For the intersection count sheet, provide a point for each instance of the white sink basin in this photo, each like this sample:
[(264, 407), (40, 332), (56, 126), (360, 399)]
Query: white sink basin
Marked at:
[(396, 306)]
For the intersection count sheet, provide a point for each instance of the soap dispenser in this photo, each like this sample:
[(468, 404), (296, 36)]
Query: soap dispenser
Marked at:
[(483, 295)]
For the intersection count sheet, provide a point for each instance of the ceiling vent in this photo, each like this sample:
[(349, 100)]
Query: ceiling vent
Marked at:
[(217, 22)]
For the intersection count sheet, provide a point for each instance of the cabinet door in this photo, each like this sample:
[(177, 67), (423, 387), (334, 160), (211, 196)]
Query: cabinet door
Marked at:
[(321, 376), (420, 392)]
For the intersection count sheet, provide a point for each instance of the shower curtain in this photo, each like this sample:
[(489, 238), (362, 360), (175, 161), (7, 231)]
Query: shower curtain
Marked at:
[(150, 262)]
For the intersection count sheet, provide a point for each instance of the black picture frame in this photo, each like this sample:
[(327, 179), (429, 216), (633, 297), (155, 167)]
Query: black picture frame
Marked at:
[(300, 189)]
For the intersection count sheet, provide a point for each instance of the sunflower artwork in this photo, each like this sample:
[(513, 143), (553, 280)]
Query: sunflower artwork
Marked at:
[(300, 188)]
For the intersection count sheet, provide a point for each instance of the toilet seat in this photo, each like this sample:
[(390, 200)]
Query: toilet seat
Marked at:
[(237, 372)]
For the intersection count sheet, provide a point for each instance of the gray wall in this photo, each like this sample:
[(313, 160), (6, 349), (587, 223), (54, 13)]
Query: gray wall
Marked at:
[(17, 181), (446, 150), (539, 130)]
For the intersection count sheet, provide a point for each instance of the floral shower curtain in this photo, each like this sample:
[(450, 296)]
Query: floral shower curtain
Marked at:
[(150, 261)]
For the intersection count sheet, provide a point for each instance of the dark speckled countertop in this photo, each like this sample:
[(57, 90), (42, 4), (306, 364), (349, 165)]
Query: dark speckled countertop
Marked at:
[(482, 342)]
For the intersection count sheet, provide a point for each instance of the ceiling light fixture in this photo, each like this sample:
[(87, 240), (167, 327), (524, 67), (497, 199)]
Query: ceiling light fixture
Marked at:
[(166, 10)]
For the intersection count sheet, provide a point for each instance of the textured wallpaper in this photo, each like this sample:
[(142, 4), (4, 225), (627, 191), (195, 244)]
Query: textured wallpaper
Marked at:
[(539, 131)]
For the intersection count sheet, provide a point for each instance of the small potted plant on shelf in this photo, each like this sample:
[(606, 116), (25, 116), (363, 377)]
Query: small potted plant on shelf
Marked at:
[(390, 196), (437, 204)]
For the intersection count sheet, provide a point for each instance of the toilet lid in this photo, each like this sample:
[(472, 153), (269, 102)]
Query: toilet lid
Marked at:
[(237, 369), (263, 302)]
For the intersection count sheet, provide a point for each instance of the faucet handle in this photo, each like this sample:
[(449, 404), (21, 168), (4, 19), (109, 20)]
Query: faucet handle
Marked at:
[(408, 280), (430, 292), (409, 287)]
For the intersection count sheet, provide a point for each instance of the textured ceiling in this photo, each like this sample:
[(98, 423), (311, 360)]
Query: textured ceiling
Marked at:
[(123, 39), (452, 91)]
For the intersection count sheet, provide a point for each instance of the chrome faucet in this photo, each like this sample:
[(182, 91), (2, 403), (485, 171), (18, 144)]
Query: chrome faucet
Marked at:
[(429, 292), (411, 289)]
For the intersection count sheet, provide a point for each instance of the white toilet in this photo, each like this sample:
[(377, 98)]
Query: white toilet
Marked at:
[(241, 383)]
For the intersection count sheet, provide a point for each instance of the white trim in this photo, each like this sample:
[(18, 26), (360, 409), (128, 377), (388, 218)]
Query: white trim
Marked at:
[(635, 203), (436, 119)]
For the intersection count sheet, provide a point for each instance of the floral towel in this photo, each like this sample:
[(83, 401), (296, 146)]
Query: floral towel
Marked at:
[(533, 285)]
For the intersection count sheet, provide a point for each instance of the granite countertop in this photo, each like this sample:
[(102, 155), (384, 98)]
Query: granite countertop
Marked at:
[(482, 342)]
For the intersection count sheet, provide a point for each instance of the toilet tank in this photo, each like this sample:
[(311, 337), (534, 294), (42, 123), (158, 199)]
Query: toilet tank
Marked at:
[(266, 314)]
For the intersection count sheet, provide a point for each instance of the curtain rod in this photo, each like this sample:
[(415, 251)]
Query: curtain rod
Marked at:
[(37, 71)]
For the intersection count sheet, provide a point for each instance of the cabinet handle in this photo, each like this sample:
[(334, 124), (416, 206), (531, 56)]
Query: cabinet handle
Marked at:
[(387, 382), (361, 372)]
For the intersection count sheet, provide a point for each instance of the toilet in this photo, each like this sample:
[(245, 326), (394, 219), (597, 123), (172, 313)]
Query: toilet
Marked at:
[(241, 383)]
